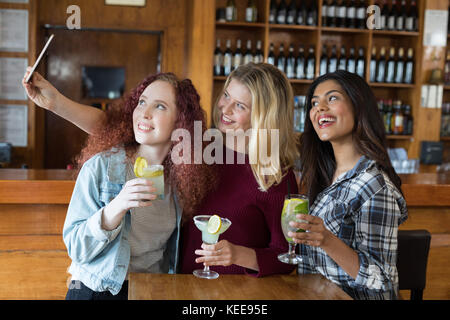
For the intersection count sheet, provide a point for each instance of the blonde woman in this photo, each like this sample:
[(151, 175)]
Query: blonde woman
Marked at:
[(251, 190)]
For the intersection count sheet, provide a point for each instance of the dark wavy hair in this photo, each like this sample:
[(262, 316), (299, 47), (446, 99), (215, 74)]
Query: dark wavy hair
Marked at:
[(317, 161), (192, 182)]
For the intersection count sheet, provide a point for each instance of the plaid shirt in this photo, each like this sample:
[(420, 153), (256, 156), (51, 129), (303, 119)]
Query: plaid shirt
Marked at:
[(363, 208)]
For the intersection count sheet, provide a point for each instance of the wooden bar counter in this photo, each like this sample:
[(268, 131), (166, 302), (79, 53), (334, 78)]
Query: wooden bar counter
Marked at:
[(33, 206), (144, 286)]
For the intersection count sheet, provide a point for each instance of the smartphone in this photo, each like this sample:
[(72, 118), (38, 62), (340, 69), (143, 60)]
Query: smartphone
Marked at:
[(39, 58)]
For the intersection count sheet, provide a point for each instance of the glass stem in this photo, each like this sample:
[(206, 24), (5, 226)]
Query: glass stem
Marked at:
[(206, 269), (292, 249)]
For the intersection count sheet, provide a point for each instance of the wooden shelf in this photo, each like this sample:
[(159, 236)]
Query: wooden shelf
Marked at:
[(292, 27), (445, 139), (395, 33), (447, 87), (392, 85), (346, 30), (398, 137), (241, 24)]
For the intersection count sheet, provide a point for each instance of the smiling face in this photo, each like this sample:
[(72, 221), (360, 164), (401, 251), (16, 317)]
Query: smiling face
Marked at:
[(235, 106), (155, 115), (332, 112)]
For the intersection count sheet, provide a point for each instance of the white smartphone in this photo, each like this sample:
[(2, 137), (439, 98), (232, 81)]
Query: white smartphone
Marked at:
[(39, 58)]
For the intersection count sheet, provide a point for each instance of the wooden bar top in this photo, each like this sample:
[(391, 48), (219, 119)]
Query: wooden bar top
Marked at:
[(147, 286)]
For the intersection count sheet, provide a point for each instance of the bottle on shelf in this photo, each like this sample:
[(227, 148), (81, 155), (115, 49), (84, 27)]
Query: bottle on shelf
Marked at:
[(351, 61), (447, 69), (227, 59), (360, 63), (290, 63), (251, 12), (390, 66), (271, 55), (281, 59), (400, 66), (248, 55), (273, 11), (331, 14), (300, 63), (323, 61), (380, 103), (342, 64), (397, 118), (411, 19), (311, 15), (230, 11), (218, 60), (361, 15), (401, 17), (373, 65), (388, 116), (310, 64), (445, 120), (381, 66), (340, 14), (391, 22), (384, 15), (324, 13), (259, 56), (407, 120), (332, 62), (299, 113), (409, 67), (351, 14), (282, 12), (237, 58), (292, 13)]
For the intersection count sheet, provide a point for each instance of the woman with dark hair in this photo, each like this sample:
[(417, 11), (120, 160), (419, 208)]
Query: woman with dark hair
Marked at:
[(114, 225), (356, 203)]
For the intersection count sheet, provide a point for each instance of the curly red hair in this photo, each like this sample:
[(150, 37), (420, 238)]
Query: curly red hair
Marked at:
[(192, 182)]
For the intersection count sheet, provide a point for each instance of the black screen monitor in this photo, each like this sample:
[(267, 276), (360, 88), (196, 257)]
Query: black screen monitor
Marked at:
[(103, 82)]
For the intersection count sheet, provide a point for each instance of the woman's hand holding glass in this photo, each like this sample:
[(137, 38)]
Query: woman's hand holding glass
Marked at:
[(136, 193), (316, 234), (223, 253)]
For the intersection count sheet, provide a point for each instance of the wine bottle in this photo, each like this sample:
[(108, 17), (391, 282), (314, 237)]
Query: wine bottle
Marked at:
[(381, 65), (323, 61), (331, 15), (237, 59), (342, 64), (401, 17), (282, 12), (218, 60), (227, 59), (271, 56), (290, 63), (332, 62), (360, 63), (340, 14), (390, 66), (373, 65), (248, 55), (311, 15), (384, 16), (400, 66), (351, 61), (361, 15), (281, 59), (351, 14), (310, 64), (273, 11), (300, 64), (409, 67), (230, 11), (251, 12), (411, 19), (258, 57), (392, 16), (324, 13), (292, 13)]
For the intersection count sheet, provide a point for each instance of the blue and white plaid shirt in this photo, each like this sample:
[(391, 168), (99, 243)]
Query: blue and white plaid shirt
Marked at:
[(363, 208)]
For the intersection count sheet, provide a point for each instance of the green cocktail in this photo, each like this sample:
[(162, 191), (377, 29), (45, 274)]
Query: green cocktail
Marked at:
[(293, 205)]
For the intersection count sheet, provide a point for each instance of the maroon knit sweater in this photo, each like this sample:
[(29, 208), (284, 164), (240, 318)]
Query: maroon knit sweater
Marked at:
[(255, 218)]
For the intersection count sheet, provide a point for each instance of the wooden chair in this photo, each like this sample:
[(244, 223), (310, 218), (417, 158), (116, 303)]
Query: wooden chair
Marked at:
[(413, 248)]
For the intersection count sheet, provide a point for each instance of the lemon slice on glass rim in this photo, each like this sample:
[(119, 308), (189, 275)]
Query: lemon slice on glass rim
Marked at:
[(139, 165), (214, 224)]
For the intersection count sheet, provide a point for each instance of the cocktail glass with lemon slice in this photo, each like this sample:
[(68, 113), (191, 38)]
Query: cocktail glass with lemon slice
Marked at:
[(153, 173), (211, 227), (293, 204)]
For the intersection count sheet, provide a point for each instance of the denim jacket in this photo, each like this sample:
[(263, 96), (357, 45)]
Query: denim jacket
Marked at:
[(100, 258)]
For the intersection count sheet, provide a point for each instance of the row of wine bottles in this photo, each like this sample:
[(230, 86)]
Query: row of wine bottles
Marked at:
[(351, 63), (226, 61), (396, 116), (393, 69), (304, 14), (229, 13)]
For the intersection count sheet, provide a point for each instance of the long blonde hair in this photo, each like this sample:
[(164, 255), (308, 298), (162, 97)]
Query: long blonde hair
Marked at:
[(272, 110)]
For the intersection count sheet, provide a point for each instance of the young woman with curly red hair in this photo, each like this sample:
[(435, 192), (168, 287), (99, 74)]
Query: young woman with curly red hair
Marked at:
[(114, 224)]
